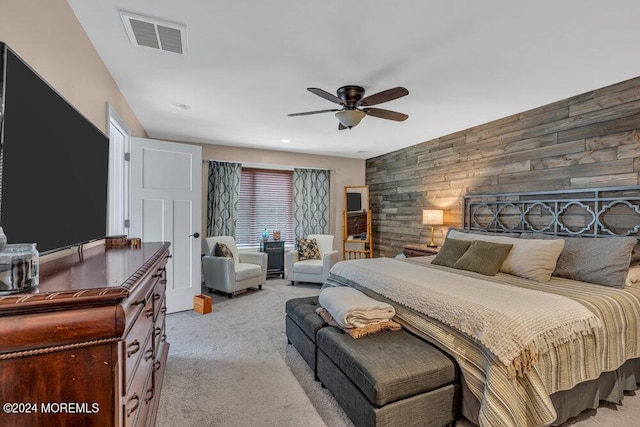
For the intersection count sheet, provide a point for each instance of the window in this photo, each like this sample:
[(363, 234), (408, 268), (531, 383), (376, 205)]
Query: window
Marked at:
[(266, 201)]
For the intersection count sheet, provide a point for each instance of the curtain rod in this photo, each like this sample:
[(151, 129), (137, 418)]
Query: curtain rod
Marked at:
[(266, 165)]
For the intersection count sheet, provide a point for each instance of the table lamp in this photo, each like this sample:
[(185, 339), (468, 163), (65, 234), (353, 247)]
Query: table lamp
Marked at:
[(432, 217)]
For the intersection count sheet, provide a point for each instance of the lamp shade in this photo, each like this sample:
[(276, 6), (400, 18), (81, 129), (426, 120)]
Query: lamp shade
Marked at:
[(350, 118), (432, 216)]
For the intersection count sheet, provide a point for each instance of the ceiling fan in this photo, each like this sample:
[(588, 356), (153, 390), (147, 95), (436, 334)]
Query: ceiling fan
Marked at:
[(355, 106)]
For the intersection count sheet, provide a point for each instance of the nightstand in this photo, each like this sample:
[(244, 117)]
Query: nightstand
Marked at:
[(275, 257), (419, 250)]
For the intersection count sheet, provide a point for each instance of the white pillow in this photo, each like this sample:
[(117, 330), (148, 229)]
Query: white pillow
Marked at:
[(535, 261)]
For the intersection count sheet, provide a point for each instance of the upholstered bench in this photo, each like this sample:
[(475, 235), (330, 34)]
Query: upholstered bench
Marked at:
[(388, 379), (301, 325)]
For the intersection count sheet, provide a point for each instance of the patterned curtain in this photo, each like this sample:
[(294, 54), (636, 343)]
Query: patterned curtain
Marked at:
[(310, 202), (222, 199)]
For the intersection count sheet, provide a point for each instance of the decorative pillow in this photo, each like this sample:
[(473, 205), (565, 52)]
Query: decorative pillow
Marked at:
[(222, 250), (451, 251), (483, 257), (531, 259), (308, 249), (603, 260)]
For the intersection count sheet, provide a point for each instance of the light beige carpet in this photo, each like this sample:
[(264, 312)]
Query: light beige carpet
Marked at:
[(233, 367)]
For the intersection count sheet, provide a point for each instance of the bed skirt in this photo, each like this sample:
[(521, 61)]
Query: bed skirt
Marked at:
[(609, 387)]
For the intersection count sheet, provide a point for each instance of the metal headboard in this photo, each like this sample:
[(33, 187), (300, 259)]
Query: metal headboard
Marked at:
[(594, 212)]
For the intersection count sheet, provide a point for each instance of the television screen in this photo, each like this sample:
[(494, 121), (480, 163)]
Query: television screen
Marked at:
[(354, 202), (54, 165)]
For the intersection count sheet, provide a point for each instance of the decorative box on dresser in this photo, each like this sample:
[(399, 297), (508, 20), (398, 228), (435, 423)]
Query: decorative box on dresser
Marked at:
[(88, 345)]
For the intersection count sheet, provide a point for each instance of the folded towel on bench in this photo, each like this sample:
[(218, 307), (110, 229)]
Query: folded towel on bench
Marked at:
[(360, 332), (353, 309)]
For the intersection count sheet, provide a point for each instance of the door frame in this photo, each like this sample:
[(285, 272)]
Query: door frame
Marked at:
[(118, 199)]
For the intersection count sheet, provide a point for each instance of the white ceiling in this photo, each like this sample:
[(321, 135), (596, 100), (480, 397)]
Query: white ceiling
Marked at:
[(464, 62)]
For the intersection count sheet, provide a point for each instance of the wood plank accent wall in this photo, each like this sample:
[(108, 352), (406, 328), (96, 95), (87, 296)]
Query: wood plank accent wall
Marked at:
[(590, 140)]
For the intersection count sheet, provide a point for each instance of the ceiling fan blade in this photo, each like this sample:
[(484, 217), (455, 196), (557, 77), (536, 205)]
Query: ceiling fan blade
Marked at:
[(385, 114), (384, 96), (312, 112), (341, 126), (326, 95)]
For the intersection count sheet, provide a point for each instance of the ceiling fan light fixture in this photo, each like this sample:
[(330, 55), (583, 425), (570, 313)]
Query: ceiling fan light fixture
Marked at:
[(350, 118)]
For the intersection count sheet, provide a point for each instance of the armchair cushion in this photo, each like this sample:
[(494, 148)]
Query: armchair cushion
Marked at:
[(324, 242), (209, 245), (308, 249), (222, 250), (309, 266)]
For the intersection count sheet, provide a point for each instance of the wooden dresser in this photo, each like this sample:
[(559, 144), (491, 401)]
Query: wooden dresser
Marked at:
[(88, 345)]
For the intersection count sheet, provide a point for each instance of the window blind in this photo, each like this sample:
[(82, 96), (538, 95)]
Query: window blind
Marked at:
[(266, 201)]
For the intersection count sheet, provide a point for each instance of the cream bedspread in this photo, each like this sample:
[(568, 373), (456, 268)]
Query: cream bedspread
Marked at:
[(505, 399)]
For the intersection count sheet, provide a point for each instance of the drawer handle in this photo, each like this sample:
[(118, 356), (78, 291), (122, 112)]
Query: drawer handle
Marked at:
[(156, 297), (156, 332), (163, 338), (163, 281), (148, 399), (149, 313), (163, 310), (150, 356), (135, 408), (135, 345), (169, 256), (156, 366), (160, 272), (138, 302)]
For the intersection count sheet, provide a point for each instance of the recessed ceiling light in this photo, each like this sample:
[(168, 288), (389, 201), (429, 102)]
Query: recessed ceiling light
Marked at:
[(286, 141), (360, 152), (182, 106)]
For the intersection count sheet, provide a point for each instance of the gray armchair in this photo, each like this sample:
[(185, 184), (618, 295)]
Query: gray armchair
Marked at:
[(312, 270), (230, 275)]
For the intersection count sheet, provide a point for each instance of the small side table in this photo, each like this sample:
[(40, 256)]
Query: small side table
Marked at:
[(419, 250), (275, 256)]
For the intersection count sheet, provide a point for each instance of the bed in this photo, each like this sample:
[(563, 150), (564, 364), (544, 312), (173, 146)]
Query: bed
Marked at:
[(532, 349)]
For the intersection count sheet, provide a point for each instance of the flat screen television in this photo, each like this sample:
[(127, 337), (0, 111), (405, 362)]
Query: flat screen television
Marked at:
[(53, 185), (354, 202)]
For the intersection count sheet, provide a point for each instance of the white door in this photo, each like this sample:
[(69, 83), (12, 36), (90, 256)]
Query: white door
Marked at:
[(166, 197), (118, 200)]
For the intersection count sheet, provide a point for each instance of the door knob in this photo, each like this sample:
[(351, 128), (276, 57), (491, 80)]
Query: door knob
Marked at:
[(195, 235)]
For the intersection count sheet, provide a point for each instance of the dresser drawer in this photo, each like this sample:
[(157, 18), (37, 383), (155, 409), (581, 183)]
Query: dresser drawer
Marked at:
[(136, 302), (158, 298), (147, 402), (134, 345), (134, 408), (162, 352)]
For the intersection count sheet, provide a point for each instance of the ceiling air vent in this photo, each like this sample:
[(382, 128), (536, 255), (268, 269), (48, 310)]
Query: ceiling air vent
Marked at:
[(155, 33)]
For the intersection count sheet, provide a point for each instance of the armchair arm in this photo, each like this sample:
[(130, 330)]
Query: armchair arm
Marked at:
[(260, 258), (290, 258), (220, 270), (328, 260)]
